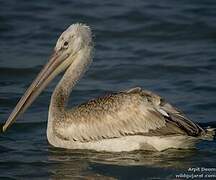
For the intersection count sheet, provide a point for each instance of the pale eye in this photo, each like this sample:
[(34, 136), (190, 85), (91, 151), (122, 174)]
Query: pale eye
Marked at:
[(65, 45)]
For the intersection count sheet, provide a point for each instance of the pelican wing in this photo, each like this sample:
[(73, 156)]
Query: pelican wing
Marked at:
[(132, 112)]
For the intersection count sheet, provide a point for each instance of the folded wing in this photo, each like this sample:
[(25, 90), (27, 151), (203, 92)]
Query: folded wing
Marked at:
[(132, 112)]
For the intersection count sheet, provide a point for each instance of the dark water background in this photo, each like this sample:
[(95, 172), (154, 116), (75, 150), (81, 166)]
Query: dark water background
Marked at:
[(165, 46)]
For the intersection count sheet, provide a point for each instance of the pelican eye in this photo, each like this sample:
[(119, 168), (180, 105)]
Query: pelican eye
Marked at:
[(65, 44)]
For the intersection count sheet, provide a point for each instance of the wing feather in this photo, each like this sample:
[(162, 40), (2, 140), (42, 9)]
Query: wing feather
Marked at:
[(130, 112)]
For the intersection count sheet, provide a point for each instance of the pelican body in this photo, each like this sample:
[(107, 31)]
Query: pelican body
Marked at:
[(124, 121)]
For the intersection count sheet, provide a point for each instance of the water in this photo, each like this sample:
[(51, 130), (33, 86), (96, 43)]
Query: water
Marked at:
[(165, 46)]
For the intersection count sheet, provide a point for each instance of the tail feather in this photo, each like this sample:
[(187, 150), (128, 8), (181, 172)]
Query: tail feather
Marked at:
[(209, 134)]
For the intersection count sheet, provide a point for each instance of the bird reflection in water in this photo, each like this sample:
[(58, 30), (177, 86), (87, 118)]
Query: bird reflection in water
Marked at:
[(126, 165)]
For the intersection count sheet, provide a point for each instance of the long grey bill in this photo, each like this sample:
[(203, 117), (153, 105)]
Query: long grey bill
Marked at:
[(41, 81)]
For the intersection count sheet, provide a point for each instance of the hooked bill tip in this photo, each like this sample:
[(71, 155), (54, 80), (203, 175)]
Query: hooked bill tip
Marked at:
[(3, 129)]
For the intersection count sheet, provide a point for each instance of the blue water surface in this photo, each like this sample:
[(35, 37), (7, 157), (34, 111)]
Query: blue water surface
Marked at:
[(167, 46)]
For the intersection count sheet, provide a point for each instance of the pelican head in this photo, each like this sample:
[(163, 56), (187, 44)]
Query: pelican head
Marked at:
[(69, 45)]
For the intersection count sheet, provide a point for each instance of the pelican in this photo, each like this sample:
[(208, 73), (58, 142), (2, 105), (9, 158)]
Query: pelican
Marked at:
[(124, 121)]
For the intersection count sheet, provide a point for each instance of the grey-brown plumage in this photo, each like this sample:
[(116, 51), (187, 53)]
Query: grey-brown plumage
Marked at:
[(133, 112)]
